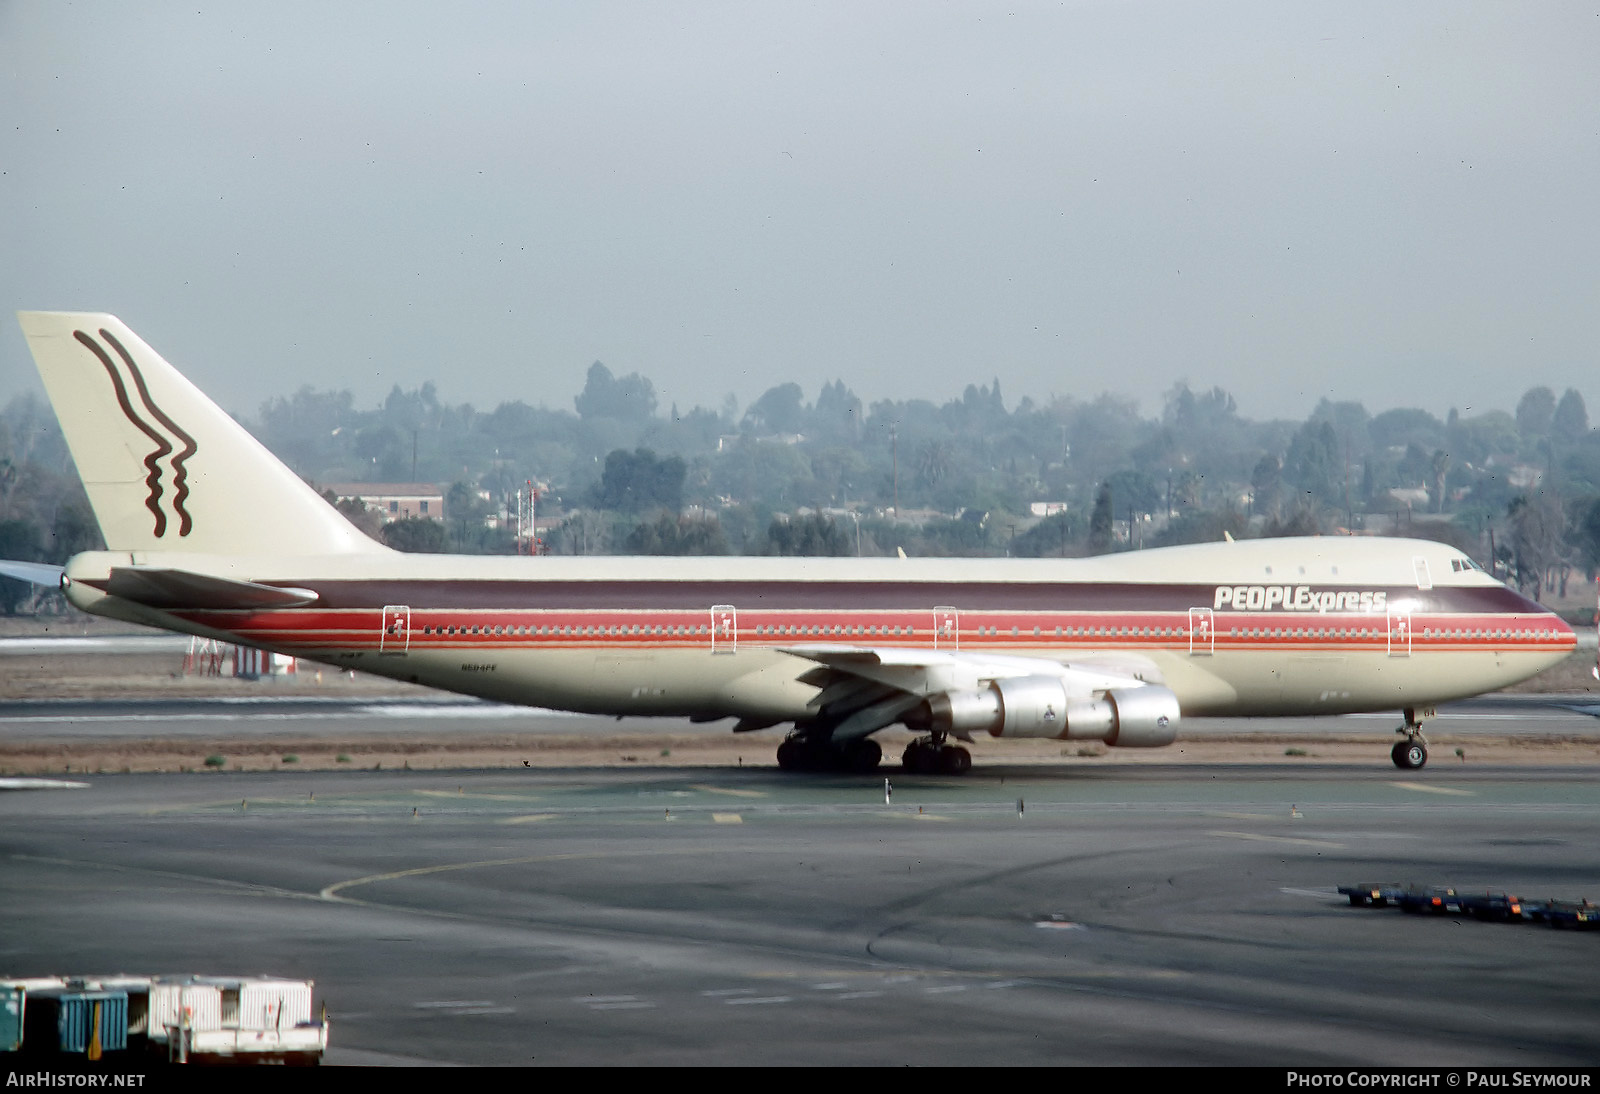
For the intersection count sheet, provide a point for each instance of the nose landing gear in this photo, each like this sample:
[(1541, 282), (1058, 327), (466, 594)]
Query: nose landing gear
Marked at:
[(1412, 752)]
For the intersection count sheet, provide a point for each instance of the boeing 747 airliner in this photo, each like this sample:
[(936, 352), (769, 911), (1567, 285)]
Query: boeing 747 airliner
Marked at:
[(207, 533)]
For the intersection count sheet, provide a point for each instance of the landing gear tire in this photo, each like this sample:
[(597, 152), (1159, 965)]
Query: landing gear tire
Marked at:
[(955, 760), (1409, 755), (792, 755), (929, 757), (804, 754), (862, 756)]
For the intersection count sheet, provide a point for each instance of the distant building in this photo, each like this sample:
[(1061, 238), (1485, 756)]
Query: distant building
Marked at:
[(394, 500)]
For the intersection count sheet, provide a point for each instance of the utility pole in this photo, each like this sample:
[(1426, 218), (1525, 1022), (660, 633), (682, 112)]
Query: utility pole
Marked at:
[(894, 447)]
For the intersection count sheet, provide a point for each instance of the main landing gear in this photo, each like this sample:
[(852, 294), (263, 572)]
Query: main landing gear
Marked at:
[(1411, 752), (803, 753), (935, 756)]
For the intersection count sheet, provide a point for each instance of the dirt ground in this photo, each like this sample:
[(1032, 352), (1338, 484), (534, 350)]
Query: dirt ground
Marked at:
[(160, 675)]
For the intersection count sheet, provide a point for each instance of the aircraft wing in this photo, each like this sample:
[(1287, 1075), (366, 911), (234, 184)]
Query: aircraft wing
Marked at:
[(39, 573), (865, 688)]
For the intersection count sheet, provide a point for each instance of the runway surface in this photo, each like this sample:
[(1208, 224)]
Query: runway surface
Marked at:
[(1160, 914), (268, 716)]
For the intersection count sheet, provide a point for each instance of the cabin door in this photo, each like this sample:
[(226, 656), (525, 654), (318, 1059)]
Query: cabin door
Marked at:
[(1399, 632), (396, 635), (946, 628), (724, 628), (1202, 631)]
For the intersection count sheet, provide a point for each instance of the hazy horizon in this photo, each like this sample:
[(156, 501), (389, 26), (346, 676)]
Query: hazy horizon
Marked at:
[(1364, 203)]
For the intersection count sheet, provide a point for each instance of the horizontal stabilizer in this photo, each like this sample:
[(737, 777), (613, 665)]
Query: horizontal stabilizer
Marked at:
[(39, 573), (167, 589)]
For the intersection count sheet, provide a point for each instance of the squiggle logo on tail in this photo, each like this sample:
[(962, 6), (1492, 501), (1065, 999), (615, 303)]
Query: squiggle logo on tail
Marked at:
[(180, 474)]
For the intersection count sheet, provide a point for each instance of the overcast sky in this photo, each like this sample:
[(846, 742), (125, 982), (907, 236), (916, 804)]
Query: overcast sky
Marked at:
[(1395, 203)]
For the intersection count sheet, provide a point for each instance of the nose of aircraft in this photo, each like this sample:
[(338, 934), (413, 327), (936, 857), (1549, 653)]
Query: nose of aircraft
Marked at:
[(1566, 640)]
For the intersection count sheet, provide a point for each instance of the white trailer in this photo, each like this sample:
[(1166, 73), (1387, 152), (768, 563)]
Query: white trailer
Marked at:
[(242, 1020)]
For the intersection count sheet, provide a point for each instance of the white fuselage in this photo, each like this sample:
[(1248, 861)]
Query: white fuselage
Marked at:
[(1312, 625)]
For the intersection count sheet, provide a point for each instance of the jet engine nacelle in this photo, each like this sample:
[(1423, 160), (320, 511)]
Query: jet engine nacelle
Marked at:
[(1039, 706)]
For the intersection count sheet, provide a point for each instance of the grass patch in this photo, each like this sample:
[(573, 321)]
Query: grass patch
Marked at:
[(341, 758), (216, 761), (1295, 752), (291, 759)]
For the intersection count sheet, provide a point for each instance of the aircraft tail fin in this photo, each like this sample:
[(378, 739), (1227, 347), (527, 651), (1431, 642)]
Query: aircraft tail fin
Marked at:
[(165, 468)]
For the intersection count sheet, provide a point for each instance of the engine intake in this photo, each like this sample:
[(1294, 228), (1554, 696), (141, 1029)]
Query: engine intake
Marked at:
[(1039, 707)]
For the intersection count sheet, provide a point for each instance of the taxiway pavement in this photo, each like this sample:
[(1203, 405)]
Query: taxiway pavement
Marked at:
[(1159, 914)]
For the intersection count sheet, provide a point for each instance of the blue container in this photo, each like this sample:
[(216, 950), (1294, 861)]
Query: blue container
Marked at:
[(75, 1015), (11, 1000)]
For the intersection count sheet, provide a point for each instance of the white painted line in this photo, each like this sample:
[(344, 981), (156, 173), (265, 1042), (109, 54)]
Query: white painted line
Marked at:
[(717, 993), (1426, 789), (605, 999), (638, 1004), (1003, 984), (1276, 839), (944, 989), (727, 818), (837, 985), (454, 1004), (1317, 894), (730, 791), (761, 1001), (859, 995)]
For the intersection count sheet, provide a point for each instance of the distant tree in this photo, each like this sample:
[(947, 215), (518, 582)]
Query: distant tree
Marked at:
[(935, 459), (583, 532), (1439, 467), (1051, 537), (1136, 491), (1571, 420), (1301, 521), (1535, 412), (670, 534), (1405, 425), (370, 521), (1537, 528), (838, 413), (1266, 483), (1101, 522), (465, 508), (631, 398), (1313, 465), (1202, 526), (812, 535), (780, 409), (1585, 536), (637, 481), (73, 530), (415, 535)]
